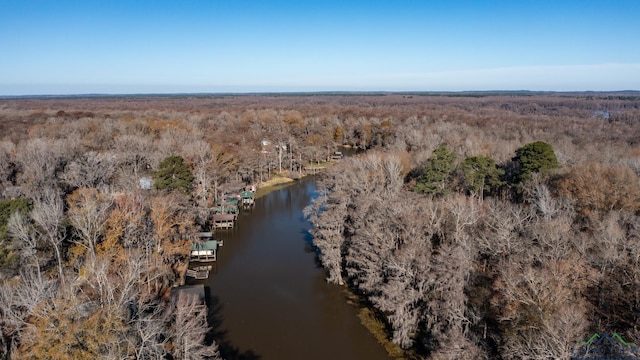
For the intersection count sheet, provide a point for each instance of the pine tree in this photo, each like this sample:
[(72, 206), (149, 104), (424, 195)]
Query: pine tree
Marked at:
[(534, 157), (436, 172), (480, 174), (173, 174)]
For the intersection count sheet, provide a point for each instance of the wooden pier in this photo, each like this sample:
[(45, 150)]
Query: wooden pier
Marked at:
[(199, 272)]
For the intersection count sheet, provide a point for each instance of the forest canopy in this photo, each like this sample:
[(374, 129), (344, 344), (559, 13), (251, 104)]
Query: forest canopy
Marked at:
[(474, 226)]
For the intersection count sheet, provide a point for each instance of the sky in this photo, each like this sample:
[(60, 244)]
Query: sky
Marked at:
[(64, 47)]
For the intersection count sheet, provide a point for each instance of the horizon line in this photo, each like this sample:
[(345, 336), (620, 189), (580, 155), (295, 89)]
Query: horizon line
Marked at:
[(321, 92)]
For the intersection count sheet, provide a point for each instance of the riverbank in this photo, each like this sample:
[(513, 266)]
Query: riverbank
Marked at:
[(279, 181), (275, 183), (376, 327), (367, 316), (271, 300)]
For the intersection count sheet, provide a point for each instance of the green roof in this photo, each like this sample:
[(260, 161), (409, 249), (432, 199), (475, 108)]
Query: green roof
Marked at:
[(228, 209), (207, 245), (229, 201), (246, 194)]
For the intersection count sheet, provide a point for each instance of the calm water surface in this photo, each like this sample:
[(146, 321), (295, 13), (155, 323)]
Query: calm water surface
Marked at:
[(268, 298)]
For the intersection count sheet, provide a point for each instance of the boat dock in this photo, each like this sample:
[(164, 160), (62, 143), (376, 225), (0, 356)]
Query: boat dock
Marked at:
[(199, 272), (247, 198), (224, 221), (204, 251)]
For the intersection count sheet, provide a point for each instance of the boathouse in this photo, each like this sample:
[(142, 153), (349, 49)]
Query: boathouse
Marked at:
[(204, 251), (247, 198), (223, 221), (228, 206), (193, 291)]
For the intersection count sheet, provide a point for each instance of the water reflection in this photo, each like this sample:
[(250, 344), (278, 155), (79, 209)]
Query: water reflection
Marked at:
[(269, 299)]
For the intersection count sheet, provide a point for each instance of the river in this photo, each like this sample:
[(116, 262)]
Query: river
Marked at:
[(268, 297)]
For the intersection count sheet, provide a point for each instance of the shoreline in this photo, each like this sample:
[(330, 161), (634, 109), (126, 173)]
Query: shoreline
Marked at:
[(376, 327), (280, 181), (275, 183), (367, 315)]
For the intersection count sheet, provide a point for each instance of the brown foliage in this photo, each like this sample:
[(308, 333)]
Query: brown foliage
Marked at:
[(453, 278), (541, 308), (596, 187)]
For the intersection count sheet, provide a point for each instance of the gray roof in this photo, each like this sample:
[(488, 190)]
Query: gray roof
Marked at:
[(197, 290)]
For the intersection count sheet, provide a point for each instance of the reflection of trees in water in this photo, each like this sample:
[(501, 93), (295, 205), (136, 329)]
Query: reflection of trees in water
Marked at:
[(217, 334)]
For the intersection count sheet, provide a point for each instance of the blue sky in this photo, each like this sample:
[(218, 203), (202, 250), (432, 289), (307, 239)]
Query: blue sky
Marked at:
[(135, 46)]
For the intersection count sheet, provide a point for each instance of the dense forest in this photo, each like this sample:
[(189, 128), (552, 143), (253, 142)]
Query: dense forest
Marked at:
[(473, 225)]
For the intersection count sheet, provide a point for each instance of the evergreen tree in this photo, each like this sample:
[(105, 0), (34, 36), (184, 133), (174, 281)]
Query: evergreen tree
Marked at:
[(480, 174), (173, 174), (534, 157), (436, 172), (7, 208)]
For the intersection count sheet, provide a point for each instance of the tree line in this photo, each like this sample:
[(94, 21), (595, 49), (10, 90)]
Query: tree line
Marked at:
[(465, 256), (458, 226)]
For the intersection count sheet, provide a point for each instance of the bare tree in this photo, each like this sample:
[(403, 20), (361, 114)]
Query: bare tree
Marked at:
[(540, 310), (20, 230), (462, 213), (88, 213), (546, 205), (18, 302), (502, 226), (199, 154), (446, 310), (328, 235), (373, 181), (48, 216), (133, 158), (554, 236), (402, 272), (7, 164), (92, 169), (38, 161), (147, 331), (189, 330)]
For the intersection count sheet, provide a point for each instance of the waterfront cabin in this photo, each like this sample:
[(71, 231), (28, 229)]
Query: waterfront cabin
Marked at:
[(204, 251), (223, 221), (247, 198), (193, 291), (228, 206)]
